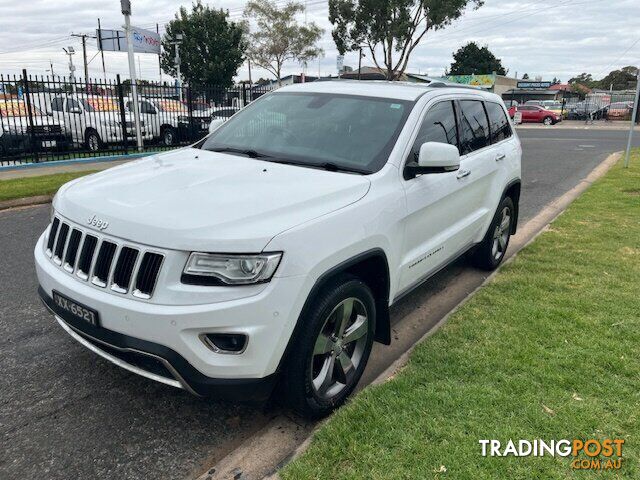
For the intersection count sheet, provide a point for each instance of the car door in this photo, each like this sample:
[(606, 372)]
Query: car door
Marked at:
[(438, 209), (527, 113), (74, 119), (479, 161)]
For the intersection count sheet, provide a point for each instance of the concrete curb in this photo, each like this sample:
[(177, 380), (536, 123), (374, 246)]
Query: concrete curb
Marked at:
[(25, 202), (525, 236)]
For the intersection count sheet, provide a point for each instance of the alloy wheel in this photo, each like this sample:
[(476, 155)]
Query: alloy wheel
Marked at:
[(339, 348), (501, 234), (94, 143)]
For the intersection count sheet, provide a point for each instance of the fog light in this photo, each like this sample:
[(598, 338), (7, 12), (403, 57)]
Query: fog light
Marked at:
[(234, 343)]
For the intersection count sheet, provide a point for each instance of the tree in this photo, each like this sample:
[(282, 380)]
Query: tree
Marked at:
[(525, 76), (212, 47), (278, 37), (584, 78), (623, 79), (472, 59), (390, 28)]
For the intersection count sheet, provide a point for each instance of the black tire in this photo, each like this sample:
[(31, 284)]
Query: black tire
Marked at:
[(92, 141), (548, 121), (169, 136), (305, 365), (490, 252)]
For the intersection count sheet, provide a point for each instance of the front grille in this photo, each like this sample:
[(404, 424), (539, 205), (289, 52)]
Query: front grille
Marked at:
[(106, 262)]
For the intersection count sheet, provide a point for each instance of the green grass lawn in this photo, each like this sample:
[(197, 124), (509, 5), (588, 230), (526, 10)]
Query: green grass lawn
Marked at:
[(549, 349), (40, 185)]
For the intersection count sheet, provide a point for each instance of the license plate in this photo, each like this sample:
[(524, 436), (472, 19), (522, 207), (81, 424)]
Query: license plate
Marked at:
[(76, 309), (49, 143)]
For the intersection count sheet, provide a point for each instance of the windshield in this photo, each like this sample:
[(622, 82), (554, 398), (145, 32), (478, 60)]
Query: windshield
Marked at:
[(99, 104), (17, 109), (347, 132)]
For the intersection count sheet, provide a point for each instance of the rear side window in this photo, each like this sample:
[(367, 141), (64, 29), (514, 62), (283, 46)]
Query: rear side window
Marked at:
[(498, 122), (439, 125), (57, 104), (474, 126)]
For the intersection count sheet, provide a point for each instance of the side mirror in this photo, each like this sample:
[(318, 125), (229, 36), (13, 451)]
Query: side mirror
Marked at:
[(215, 124), (75, 110), (434, 157)]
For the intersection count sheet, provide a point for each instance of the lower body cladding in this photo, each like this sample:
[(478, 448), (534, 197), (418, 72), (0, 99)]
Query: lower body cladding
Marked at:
[(165, 343)]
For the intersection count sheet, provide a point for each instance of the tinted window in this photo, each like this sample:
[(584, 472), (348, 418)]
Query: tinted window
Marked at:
[(474, 133), (57, 105), (439, 125), (71, 103), (498, 123)]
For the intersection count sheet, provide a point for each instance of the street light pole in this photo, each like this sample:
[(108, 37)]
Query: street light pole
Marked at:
[(70, 51), (633, 120), (176, 42), (126, 11)]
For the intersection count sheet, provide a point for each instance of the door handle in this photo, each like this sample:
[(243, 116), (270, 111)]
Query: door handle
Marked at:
[(500, 156), (463, 173)]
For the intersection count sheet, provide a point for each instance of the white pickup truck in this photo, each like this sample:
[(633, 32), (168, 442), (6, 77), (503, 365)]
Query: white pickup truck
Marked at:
[(95, 121)]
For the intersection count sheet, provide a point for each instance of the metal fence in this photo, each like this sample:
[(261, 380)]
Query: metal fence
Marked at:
[(53, 118), (607, 106)]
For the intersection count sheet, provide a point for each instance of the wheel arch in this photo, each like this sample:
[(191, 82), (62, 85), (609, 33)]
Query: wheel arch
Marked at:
[(374, 265), (512, 190)]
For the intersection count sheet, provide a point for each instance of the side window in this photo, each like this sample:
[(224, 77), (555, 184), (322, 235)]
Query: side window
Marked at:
[(438, 125), (146, 107), (57, 104), (498, 122), (474, 133), (71, 103)]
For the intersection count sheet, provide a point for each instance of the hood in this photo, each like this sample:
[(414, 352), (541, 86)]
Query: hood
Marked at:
[(191, 199)]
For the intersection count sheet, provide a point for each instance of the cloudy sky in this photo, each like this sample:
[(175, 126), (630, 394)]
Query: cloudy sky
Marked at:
[(547, 38)]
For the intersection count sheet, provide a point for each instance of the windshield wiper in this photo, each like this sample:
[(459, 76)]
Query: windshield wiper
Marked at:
[(243, 151), (334, 167)]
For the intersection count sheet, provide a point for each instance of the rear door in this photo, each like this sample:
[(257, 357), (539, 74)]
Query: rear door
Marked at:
[(479, 160)]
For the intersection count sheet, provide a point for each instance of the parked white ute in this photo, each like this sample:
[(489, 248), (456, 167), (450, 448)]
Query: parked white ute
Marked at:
[(271, 251), (94, 120)]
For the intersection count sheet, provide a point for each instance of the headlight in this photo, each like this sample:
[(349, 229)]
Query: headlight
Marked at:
[(231, 269)]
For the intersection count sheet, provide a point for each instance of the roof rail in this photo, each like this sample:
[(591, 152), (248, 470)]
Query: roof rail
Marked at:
[(452, 85)]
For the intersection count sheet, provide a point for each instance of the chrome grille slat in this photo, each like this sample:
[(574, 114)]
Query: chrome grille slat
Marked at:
[(107, 262)]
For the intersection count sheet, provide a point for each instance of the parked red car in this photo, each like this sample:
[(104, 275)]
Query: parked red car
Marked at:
[(537, 114)]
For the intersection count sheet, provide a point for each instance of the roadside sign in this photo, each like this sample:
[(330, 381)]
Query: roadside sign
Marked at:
[(144, 41), (533, 85), (517, 118)]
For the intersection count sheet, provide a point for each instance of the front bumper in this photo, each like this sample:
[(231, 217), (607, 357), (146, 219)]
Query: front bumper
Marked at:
[(170, 332), (157, 362)]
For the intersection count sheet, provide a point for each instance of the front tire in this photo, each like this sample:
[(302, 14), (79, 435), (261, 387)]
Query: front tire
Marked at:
[(92, 141), (332, 350), (491, 251), (548, 121), (169, 136)]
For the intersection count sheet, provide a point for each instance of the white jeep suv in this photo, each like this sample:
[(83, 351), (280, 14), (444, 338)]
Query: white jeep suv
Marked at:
[(270, 251)]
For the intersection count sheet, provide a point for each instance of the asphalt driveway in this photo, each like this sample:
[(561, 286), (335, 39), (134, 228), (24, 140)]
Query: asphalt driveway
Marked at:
[(68, 414)]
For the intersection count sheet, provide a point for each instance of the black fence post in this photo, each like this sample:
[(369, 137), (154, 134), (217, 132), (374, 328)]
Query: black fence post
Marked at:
[(244, 95), (190, 112), (123, 117), (32, 136)]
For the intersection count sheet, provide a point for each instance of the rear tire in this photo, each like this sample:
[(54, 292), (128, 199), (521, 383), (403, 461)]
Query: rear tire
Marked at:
[(490, 252), (332, 350)]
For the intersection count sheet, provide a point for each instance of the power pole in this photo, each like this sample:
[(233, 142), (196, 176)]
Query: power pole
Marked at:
[(125, 6), (634, 116), (104, 69), (83, 37)]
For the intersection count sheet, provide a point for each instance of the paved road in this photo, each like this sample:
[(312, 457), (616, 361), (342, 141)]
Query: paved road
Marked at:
[(67, 414)]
